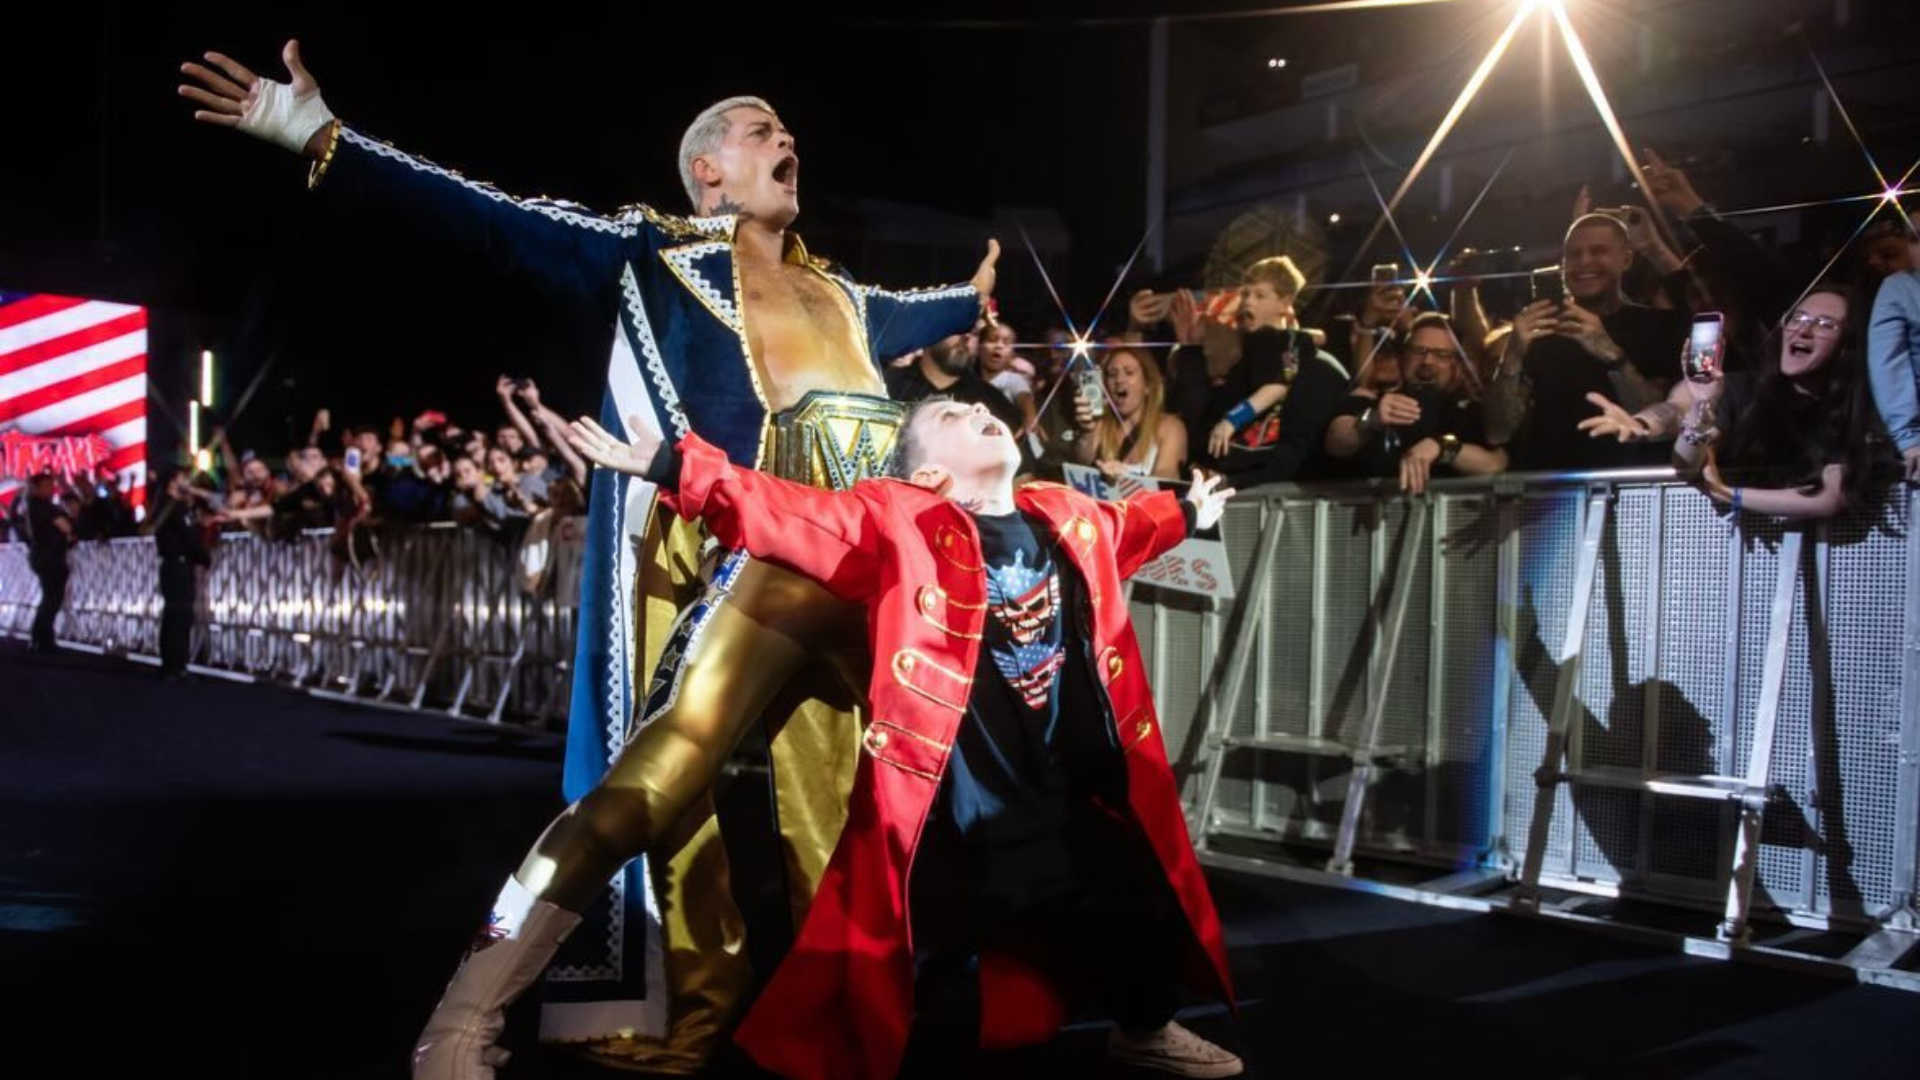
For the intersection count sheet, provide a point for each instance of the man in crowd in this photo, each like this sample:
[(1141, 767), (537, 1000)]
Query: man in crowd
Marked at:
[(946, 367), (49, 533), (1429, 425), (1592, 340), (175, 526)]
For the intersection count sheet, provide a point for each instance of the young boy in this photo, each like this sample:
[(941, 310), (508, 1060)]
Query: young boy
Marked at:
[(1011, 745), (1275, 404)]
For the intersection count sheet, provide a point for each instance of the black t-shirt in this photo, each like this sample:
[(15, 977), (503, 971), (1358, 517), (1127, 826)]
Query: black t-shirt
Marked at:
[(1005, 781), (177, 533), (47, 542), (1562, 374), (1189, 393), (1266, 357), (1439, 415), (1287, 443)]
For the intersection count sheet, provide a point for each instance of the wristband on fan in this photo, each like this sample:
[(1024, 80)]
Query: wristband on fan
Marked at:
[(1241, 415), (284, 118)]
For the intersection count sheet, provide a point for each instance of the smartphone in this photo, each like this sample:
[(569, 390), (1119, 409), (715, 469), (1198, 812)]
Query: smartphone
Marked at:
[(1385, 274), (1548, 284), (1705, 346), (352, 459), (1087, 383)]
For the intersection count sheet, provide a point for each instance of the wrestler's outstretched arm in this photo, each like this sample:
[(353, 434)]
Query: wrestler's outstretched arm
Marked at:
[(900, 321), (555, 246), (230, 95)]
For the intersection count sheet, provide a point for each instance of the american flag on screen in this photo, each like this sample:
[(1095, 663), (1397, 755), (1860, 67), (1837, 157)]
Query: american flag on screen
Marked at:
[(73, 388)]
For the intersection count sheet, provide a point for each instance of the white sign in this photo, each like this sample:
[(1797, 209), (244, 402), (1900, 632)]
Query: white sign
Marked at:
[(552, 551), (1195, 566)]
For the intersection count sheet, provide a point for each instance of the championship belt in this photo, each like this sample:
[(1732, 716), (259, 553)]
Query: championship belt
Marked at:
[(833, 440)]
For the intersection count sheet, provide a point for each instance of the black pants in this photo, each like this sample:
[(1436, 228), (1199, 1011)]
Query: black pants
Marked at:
[(53, 594), (1093, 894), (176, 614)]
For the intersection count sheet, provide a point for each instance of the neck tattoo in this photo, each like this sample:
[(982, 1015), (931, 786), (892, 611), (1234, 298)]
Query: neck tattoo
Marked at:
[(727, 206)]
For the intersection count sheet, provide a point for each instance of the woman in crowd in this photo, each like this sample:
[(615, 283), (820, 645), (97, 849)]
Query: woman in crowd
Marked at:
[(1135, 434), (997, 366), (1794, 438)]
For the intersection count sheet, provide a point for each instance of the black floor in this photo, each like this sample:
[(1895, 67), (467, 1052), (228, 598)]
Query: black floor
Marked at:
[(206, 879)]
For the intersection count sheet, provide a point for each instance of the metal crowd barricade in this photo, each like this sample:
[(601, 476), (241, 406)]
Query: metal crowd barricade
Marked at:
[(1544, 694), (436, 618), (1708, 718)]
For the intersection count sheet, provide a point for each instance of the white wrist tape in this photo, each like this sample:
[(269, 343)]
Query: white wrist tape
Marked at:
[(283, 118)]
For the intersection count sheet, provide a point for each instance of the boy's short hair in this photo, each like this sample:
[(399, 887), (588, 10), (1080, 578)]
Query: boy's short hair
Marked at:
[(1279, 272), (908, 453)]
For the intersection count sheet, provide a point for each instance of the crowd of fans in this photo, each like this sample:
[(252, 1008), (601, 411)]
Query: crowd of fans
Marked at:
[(1601, 367), (1596, 369), (429, 469), (94, 503)]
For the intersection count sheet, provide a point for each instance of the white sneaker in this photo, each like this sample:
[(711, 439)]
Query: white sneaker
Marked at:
[(1172, 1049)]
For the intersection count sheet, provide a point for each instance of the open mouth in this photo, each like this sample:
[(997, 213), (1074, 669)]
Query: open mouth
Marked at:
[(1800, 348), (787, 172), (992, 429)]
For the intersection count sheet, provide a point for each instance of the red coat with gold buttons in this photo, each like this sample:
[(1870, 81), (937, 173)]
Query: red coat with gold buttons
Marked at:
[(840, 1005)]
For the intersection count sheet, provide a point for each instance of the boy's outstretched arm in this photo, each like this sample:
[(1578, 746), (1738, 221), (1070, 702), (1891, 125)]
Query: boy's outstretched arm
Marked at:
[(829, 536)]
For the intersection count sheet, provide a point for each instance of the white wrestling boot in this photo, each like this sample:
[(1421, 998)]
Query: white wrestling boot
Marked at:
[(510, 953)]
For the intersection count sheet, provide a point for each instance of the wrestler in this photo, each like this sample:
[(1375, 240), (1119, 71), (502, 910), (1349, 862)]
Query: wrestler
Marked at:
[(722, 324)]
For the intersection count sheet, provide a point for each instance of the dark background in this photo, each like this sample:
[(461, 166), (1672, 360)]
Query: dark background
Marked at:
[(109, 189), (963, 118)]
